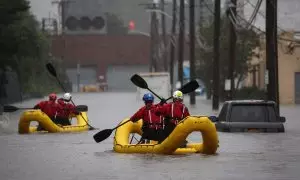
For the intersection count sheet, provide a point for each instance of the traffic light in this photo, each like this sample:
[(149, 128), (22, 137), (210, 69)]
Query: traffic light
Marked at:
[(131, 25), (84, 18)]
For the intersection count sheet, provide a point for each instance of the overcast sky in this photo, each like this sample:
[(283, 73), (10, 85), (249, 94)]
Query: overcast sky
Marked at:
[(288, 12)]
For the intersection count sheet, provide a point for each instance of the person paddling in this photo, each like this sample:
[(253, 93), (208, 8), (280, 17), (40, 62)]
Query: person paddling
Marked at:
[(152, 124), (49, 107), (173, 113), (65, 110)]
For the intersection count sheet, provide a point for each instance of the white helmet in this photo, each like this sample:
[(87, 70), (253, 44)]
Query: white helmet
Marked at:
[(178, 95), (67, 97)]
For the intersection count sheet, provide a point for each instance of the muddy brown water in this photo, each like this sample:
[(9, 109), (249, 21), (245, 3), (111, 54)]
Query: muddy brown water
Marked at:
[(246, 156)]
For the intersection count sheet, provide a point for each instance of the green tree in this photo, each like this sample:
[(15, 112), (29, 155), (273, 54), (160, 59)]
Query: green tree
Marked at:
[(10, 14), (24, 47), (10, 11), (247, 40)]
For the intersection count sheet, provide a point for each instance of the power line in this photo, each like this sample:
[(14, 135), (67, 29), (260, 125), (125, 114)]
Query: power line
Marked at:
[(264, 16), (255, 27), (255, 11), (263, 32)]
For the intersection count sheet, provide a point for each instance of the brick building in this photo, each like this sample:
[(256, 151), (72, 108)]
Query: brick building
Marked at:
[(113, 57)]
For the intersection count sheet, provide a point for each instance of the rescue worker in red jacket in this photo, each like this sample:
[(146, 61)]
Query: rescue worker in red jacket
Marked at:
[(152, 124), (65, 110), (49, 107), (173, 112)]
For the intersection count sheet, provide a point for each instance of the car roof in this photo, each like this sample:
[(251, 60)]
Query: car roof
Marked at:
[(250, 101)]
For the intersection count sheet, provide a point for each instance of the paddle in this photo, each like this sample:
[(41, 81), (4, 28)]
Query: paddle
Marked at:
[(9, 108), (81, 108), (140, 82), (104, 134), (187, 88), (52, 71)]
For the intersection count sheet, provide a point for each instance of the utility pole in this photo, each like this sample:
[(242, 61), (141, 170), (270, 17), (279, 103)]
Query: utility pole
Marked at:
[(62, 4), (153, 33), (173, 45), (272, 51), (152, 55), (201, 13), (232, 46), (156, 41), (181, 42), (192, 49), (163, 26), (153, 66), (275, 35), (62, 11), (216, 66)]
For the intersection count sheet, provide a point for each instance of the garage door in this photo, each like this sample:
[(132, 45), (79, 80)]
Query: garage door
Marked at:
[(297, 87), (88, 75), (118, 76)]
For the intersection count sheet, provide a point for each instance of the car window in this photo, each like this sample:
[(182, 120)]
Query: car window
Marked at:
[(249, 113)]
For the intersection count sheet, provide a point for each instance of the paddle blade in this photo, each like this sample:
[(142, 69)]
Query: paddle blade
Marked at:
[(102, 135), (139, 81), (51, 69), (92, 128), (82, 108), (8, 108), (189, 87)]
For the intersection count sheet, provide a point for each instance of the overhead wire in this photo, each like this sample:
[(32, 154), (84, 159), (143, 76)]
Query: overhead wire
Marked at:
[(263, 15), (255, 11), (257, 29)]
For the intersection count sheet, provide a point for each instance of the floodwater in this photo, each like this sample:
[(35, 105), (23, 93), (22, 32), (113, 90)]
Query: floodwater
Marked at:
[(246, 156)]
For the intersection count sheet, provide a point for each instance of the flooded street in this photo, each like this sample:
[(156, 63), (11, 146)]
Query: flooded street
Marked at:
[(75, 156)]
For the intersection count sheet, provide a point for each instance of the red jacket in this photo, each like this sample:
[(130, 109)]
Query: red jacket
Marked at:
[(65, 109), (149, 117), (175, 110), (48, 107)]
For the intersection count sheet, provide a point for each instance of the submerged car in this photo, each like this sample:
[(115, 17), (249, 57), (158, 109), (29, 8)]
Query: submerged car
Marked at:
[(249, 116)]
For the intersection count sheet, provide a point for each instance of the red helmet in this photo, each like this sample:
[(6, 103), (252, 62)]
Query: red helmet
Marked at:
[(52, 97)]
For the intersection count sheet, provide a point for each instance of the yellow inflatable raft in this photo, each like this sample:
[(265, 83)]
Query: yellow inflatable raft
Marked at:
[(48, 124), (170, 145)]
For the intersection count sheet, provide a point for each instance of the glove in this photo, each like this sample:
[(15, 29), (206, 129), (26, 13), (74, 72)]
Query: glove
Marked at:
[(163, 101)]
